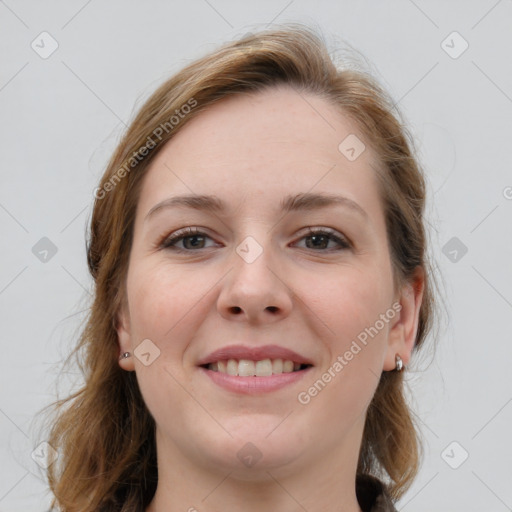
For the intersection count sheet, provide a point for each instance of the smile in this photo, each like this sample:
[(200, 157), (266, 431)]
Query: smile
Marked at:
[(251, 383), (262, 368)]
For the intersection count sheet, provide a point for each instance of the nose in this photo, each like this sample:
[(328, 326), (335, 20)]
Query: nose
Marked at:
[(255, 291)]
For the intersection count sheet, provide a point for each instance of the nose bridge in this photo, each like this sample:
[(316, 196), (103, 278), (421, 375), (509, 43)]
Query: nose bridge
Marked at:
[(252, 262), (253, 287)]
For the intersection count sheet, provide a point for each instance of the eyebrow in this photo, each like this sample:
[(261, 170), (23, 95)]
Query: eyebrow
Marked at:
[(300, 202)]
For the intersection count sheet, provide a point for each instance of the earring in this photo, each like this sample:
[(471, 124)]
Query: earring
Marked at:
[(399, 365), (125, 355)]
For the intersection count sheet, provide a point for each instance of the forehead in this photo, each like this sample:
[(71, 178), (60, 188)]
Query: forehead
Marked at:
[(262, 145)]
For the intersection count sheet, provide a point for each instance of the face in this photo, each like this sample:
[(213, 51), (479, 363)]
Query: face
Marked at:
[(312, 278)]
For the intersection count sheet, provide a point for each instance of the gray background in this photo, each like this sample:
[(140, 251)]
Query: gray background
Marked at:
[(62, 116)]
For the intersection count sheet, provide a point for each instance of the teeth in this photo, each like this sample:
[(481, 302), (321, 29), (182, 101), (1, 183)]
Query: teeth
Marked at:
[(247, 368), (232, 367)]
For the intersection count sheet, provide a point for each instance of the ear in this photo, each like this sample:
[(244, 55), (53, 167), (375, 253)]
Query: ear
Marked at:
[(124, 338), (403, 330)]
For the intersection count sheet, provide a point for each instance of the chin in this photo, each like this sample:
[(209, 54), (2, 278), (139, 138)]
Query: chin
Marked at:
[(254, 451)]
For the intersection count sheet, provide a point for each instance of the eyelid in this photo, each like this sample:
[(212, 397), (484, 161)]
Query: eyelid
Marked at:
[(180, 234)]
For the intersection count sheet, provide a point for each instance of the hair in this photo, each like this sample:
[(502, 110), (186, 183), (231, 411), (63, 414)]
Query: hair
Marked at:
[(104, 433)]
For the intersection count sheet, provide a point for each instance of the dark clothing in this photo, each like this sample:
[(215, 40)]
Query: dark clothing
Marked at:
[(372, 495)]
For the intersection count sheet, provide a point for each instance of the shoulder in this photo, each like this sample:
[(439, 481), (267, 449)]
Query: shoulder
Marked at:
[(372, 495)]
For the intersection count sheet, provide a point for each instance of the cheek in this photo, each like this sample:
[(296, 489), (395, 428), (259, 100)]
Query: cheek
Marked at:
[(355, 341), (349, 301), (161, 297), (164, 305)]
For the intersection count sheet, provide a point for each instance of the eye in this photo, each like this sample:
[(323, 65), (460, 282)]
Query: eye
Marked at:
[(319, 238), (191, 238)]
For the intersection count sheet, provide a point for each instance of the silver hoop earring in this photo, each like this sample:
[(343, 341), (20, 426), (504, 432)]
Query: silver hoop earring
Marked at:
[(125, 355), (399, 365)]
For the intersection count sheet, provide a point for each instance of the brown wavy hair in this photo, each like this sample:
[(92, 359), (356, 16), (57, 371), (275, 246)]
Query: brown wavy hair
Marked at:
[(104, 434)]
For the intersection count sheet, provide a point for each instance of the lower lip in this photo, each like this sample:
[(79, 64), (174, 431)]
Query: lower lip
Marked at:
[(254, 385)]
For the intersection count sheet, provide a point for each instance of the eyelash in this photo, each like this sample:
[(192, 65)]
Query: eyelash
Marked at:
[(170, 241)]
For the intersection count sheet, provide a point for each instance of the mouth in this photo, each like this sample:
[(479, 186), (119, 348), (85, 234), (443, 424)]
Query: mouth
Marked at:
[(250, 368), (248, 377), (254, 370)]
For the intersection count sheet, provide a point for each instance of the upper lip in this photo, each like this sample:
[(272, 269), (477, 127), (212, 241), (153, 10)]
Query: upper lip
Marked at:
[(253, 354)]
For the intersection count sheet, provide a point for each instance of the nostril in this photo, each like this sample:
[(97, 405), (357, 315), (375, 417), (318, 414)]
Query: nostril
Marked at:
[(272, 308)]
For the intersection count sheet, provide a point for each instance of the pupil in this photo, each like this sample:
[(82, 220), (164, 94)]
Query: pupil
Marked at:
[(317, 238), (194, 237)]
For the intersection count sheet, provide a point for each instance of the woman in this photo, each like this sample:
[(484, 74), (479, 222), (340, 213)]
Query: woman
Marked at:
[(259, 255)]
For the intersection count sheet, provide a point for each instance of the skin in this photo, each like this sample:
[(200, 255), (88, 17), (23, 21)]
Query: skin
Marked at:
[(251, 151)]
